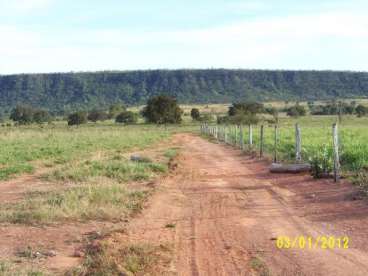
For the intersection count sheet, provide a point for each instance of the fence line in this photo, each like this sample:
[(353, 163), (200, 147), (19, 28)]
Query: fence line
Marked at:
[(234, 135)]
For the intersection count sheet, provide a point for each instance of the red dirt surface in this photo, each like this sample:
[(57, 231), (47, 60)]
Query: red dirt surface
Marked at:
[(228, 209)]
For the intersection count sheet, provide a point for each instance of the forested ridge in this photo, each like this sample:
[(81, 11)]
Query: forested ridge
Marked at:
[(66, 92)]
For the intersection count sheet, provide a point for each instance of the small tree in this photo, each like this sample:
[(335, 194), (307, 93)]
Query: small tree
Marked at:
[(77, 118), (41, 116), (361, 110), (115, 110), (296, 111), (96, 115), (22, 115), (194, 113), (162, 110), (127, 117), (245, 108), (244, 119)]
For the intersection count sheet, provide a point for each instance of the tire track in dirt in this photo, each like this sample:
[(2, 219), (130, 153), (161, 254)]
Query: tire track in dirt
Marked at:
[(228, 209)]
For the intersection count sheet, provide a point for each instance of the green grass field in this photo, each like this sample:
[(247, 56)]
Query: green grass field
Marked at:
[(25, 148)]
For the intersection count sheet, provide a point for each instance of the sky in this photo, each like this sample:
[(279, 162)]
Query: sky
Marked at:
[(40, 36)]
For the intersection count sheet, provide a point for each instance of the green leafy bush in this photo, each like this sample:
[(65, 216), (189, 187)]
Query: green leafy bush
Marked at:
[(321, 161)]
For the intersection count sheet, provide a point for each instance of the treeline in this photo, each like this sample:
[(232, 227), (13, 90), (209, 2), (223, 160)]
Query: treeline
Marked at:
[(25, 115), (63, 93), (339, 108), (160, 109)]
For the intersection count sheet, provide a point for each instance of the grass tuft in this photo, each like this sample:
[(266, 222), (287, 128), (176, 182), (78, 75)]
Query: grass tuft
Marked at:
[(129, 259)]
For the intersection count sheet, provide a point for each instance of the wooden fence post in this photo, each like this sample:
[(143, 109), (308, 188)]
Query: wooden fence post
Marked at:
[(250, 136), (225, 133), (275, 146), (241, 144), (336, 152), (261, 140), (298, 144), (235, 134)]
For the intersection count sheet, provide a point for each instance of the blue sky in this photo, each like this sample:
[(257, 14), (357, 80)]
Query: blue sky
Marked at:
[(66, 35)]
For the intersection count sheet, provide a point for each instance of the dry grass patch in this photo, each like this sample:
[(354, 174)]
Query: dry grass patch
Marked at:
[(116, 257)]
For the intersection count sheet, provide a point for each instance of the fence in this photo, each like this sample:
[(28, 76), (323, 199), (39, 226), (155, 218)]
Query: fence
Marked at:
[(234, 135)]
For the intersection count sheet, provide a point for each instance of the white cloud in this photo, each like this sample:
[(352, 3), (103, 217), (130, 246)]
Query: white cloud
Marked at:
[(20, 7), (331, 40)]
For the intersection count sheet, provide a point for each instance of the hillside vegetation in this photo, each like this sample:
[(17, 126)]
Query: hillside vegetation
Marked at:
[(66, 92)]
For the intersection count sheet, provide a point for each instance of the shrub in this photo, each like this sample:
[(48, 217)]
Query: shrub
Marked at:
[(361, 110), (322, 162), (194, 113), (245, 108), (77, 118), (22, 115), (296, 111), (96, 115), (115, 110), (41, 116), (127, 117), (162, 110)]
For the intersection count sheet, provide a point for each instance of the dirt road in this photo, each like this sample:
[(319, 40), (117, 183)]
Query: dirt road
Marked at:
[(222, 211)]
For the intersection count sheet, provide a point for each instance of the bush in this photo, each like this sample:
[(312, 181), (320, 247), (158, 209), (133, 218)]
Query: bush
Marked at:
[(115, 110), (245, 108), (244, 113), (96, 115), (41, 116), (24, 115), (77, 118), (296, 111), (361, 110), (127, 117), (162, 110), (194, 113), (322, 162)]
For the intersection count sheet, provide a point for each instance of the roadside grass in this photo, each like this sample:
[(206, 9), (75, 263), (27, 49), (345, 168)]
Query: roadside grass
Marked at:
[(171, 153), (8, 269), (124, 259), (119, 170), (96, 189), (259, 266), (97, 201)]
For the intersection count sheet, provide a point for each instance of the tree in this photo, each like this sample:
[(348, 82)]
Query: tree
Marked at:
[(22, 115), (127, 117), (97, 115), (115, 110), (296, 111), (361, 110), (162, 110), (41, 116), (77, 118), (244, 119), (245, 108), (194, 113)]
